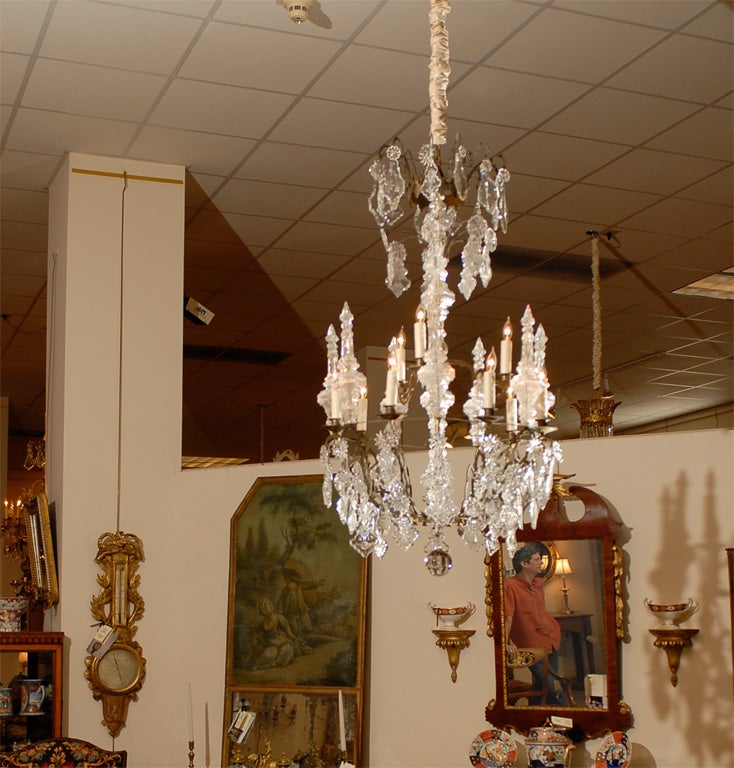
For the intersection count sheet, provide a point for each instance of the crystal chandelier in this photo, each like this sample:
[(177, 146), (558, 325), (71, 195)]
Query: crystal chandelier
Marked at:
[(511, 476), (596, 412)]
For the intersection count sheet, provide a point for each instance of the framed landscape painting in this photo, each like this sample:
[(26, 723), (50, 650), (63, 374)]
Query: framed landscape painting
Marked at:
[(296, 624)]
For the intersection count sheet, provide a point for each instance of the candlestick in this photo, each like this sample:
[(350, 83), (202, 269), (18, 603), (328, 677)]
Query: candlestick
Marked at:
[(342, 732)]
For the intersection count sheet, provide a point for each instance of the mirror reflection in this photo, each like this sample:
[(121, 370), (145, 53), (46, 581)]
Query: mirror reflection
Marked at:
[(553, 599)]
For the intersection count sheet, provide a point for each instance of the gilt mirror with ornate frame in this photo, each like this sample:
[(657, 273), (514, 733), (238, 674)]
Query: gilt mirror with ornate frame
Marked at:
[(584, 596)]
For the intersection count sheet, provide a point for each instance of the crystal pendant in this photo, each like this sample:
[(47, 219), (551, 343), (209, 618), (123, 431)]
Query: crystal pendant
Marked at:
[(438, 562)]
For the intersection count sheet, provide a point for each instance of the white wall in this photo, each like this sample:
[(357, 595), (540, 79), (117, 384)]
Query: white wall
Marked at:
[(674, 492)]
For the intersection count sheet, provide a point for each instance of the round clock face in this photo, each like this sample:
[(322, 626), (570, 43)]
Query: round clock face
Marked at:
[(119, 669)]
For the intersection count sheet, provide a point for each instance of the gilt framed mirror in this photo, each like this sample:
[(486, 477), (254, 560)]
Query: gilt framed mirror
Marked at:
[(557, 630)]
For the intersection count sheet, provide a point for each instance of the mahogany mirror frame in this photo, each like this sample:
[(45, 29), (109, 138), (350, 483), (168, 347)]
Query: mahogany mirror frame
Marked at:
[(553, 524)]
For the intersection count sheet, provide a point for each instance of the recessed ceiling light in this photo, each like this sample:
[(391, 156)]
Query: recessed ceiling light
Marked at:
[(717, 286)]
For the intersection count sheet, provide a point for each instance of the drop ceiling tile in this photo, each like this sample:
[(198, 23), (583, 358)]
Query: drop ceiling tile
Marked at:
[(334, 292), (680, 217), (681, 67), (293, 164), (23, 285), (52, 132), (717, 188), (700, 255), (24, 263), (260, 198), (590, 203), (363, 75), (648, 170), (342, 208), (20, 24), (559, 157), (633, 245), (200, 152), (221, 109), (474, 134), (723, 234), (364, 271), (534, 289), (98, 91), (333, 125), (488, 93), (665, 15), (543, 233), (474, 28), (118, 36), (561, 44), (278, 261), (714, 123), (24, 205), (293, 288), (335, 21), (12, 70), (716, 23), (526, 192), (727, 102), (270, 60), (327, 238), (257, 230), (618, 116)]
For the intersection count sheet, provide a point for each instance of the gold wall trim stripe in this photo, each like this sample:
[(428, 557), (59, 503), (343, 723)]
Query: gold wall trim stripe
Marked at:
[(135, 177)]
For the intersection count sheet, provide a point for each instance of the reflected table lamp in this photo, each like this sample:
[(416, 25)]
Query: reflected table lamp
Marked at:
[(563, 567)]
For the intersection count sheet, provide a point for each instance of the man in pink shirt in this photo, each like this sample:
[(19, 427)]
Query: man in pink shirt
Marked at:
[(527, 621)]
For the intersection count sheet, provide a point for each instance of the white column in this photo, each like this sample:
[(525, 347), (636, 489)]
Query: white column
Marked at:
[(116, 232)]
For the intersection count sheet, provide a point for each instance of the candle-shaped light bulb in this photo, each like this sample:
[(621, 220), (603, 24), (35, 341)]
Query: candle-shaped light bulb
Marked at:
[(419, 333), (362, 410), (400, 356), (489, 381), (506, 348)]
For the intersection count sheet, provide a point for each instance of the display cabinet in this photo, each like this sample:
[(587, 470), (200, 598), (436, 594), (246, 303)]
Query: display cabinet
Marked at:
[(31, 666)]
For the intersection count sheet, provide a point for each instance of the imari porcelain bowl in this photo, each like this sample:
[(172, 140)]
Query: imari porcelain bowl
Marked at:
[(450, 618), (672, 614)]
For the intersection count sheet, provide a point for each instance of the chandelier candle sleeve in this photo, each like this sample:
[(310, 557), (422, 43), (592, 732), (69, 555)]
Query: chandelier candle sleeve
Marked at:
[(490, 394), (511, 411), (362, 411), (391, 383), (400, 357), (506, 348), (419, 333)]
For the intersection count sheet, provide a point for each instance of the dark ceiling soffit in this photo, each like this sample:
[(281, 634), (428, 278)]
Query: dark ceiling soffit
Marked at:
[(548, 265), (234, 355)]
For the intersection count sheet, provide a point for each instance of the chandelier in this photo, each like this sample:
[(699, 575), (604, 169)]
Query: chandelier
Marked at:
[(596, 412), (511, 476)]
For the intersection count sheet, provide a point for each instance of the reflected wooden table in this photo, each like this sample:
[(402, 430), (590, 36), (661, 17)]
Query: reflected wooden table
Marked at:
[(577, 628)]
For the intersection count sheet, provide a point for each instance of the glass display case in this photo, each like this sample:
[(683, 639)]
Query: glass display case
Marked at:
[(32, 684)]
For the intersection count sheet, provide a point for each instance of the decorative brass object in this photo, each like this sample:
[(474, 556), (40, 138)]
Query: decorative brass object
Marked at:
[(453, 641), (673, 640), (28, 538), (117, 677)]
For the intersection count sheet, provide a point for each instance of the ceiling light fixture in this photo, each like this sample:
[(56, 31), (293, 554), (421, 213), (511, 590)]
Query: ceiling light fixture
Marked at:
[(511, 477), (597, 411)]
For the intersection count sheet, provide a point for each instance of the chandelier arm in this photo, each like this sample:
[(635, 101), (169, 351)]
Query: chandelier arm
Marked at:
[(439, 70)]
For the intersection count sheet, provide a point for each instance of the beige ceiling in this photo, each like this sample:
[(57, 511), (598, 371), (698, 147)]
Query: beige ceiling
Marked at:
[(611, 115)]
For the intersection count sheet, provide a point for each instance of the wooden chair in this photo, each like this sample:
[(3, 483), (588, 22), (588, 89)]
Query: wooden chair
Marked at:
[(63, 753), (522, 689)]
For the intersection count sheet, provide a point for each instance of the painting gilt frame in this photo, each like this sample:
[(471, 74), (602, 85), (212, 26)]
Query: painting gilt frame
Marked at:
[(296, 628)]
